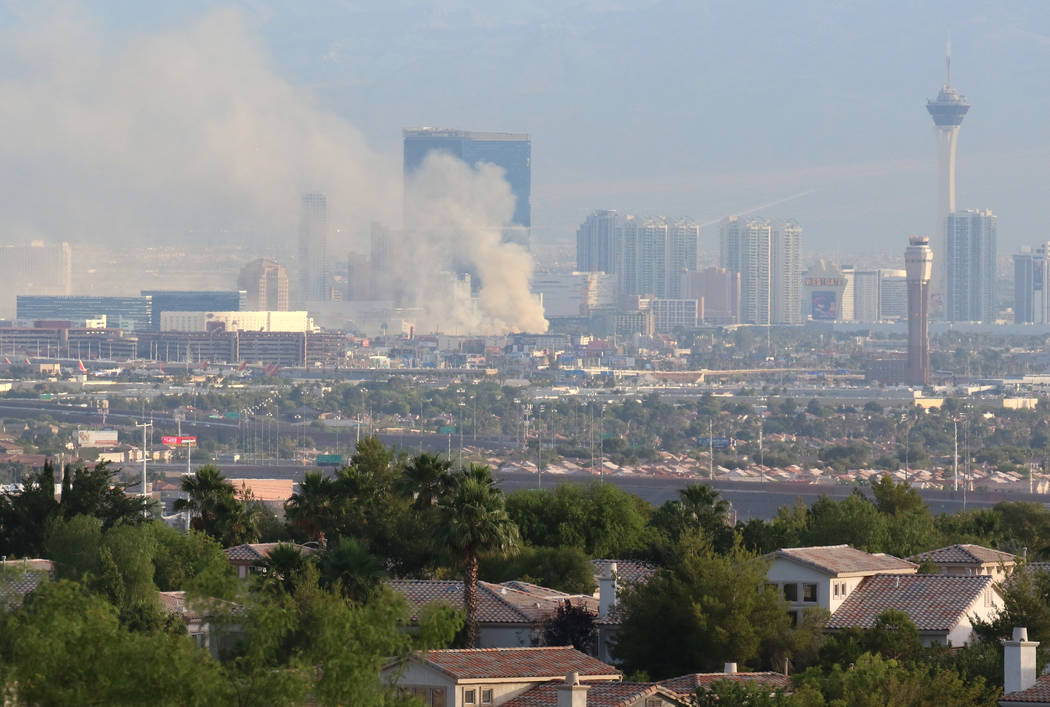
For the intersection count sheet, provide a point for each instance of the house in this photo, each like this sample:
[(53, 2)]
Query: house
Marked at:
[(941, 606), (824, 576), (687, 685), (968, 559), (611, 576), (1021, 687), (571, 692), (248, 557), (201, 617), (491, 677), (511, 614)]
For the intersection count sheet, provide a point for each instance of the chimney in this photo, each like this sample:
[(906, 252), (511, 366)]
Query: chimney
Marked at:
[(1018, 662), (571, 693), (607, 591), (730, 669)]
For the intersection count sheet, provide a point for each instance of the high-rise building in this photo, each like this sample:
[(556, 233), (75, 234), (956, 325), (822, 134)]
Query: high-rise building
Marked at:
[(787, 274), (947, 111), (574, 294), (972, 259), (511, 151), (194, 301), (647, 256), (866, 295), (893, 294), (597, 242), (1031, 291), (313, 248), (747, 248), (35, 268), (120, 312), (824, 290), (265, 284), (918, 262)]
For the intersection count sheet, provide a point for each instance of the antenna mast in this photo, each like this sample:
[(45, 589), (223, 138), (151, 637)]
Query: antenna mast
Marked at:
[(948, 59)]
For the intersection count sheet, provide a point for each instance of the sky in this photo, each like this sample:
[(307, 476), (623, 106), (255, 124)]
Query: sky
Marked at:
[(694, 109)]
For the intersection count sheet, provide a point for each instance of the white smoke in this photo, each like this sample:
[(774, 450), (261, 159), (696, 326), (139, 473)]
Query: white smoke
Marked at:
[(151, 137)]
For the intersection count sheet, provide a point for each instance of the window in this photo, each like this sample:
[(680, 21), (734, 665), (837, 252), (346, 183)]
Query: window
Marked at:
[(989, 599), (791, 592), (809, 592), (470, 696), (486, 696), (794, 618), (836, 592)]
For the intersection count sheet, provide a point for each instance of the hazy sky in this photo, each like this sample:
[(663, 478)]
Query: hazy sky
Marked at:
[(689, 108)]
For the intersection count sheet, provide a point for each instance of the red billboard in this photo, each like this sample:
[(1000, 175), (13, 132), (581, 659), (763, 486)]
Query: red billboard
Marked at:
[(173, 440)]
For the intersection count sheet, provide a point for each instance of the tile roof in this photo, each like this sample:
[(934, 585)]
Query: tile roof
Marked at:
[(603, 694), (553, 662), (266, 489), (256, 552), (964, 555), (688, 684), (510, 602), (845, 560), (627, 571), (1039, 693), (15, 584), (934, 602)]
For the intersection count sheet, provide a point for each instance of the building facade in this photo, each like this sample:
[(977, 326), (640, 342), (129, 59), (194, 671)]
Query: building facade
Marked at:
[(972, 260), (35, 268), (787, 274), (510, 151), (718, 291), (194, 301), (265, 284), (313, 247), (120, 312), (1031, 271), (918, 262)]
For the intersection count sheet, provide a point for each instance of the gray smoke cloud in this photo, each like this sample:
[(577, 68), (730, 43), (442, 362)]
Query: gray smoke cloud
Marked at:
[(150, 137)]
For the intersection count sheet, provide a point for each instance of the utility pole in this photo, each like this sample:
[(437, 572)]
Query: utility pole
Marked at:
[(189, 455), (955, 424), (144, 425), (711, 450)]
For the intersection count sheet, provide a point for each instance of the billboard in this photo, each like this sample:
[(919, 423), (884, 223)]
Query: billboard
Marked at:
[(96, 438), (825, 305), (184, 439), (329, 460)]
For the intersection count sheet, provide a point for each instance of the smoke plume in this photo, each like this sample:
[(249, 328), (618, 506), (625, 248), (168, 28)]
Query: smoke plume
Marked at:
[(190, 132)]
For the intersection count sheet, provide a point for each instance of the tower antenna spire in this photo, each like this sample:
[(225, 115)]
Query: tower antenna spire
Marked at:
[(948, 59)]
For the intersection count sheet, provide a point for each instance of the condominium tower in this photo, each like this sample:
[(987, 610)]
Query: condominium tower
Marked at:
[(972, 258), (768, 259), (313, 247), (918, 263)]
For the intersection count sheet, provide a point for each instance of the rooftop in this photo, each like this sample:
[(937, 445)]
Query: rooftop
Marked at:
[(256, 552), (510, 602), (688, 684), (606, 694), (627, 571), (846, 560), (934, 602), (964, 555), (552, 662), (1039, 693)]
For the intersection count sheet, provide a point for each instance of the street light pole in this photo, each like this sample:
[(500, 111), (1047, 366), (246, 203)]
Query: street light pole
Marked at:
[(144, 425)]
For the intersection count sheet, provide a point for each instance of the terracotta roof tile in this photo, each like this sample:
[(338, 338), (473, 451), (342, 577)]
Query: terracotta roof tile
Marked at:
[(627, 571), (1036, 694), (845, 560), (964, 555), (256, 552), (688, 684), (604, 694), (510, 602), (934, 602), (545, 662)]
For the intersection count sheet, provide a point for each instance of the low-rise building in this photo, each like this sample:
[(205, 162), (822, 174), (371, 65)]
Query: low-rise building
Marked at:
[(968, 559)]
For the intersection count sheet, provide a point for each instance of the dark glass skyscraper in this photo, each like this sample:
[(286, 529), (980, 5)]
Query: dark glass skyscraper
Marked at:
[(511, 151), (194, 301)]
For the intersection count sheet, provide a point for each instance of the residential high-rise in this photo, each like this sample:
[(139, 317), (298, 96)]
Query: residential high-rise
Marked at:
[(1031, 291), (918, 263), (866, 295), (313, 247), (972, 258), (265, 284), (718, 291), (647, 256), (769, 260), (597, 242), (787, 274), (511, 151), (947, 111)]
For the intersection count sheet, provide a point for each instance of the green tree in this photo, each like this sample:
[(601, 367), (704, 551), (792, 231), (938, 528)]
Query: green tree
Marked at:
[(567, 569), (215, 508), (347, 565), (700, 510), (720, 605), (571, 625), (472, 519), (312, 508)]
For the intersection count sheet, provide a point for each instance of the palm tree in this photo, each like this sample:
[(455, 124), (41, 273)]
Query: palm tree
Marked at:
[(348, 564), (282, 567), (472, 519), (424, 480), (311, 507), (207, 495)]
